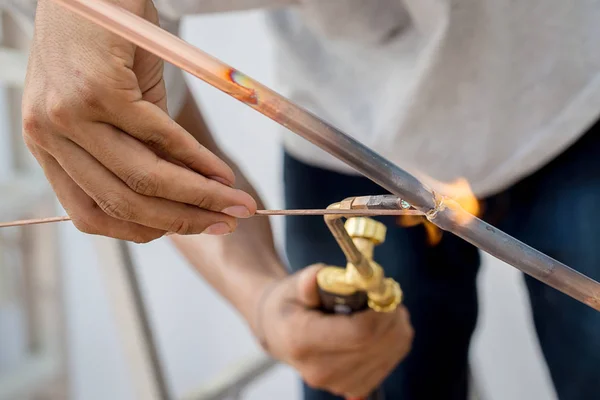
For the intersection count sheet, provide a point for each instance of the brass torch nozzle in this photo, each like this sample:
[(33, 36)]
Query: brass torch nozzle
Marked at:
[(357, 239)]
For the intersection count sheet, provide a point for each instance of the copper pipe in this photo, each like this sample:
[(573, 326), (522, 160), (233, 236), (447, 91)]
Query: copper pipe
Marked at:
[(364, 160), (255, 95)]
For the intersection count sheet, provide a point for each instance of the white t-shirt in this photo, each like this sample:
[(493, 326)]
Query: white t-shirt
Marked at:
[(487, 90)]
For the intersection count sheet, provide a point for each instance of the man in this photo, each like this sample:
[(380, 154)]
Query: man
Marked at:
[(504, 94)]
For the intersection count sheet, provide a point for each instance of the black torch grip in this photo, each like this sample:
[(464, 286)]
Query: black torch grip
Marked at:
[(332, 303)]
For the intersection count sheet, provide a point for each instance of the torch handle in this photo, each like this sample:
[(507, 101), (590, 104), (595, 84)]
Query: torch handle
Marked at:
[(333, 303)]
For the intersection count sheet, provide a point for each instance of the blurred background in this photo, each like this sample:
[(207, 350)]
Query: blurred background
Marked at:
[(63, 277)]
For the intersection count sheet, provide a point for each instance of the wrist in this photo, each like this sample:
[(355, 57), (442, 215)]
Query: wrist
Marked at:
[(250, 299), (257, 321)]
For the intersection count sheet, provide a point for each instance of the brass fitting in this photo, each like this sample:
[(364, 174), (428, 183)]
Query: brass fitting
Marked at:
[(384, 293), (358, 238)]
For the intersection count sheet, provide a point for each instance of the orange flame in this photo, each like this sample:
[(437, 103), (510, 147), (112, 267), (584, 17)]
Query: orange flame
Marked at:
[(460, 191)]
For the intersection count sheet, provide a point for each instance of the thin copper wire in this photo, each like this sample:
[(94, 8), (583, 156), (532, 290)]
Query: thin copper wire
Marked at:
[(259, 213), (37, 221), (355, 213)]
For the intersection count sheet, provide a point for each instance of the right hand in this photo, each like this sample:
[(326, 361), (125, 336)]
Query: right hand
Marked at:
[(349, 356), (95, 117)]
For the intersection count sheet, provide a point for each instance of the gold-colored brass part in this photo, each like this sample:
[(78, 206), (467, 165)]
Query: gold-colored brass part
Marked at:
[(333, 280), (384, 294), (339, 232), (358, 238), (366, 228)]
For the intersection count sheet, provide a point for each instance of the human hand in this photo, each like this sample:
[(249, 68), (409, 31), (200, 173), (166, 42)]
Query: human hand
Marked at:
[(349, 356), (95, 118)]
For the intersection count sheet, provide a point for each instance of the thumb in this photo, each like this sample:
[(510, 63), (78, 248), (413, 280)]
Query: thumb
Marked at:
[(306, 285)]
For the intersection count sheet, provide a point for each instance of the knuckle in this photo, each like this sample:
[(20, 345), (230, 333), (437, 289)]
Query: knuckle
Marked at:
[(157, 141), (115, 205), (31, 120), (59, 112), (33, 132), (190, 160), (89, 97), (203, 200), (142, 182), (181, 226)]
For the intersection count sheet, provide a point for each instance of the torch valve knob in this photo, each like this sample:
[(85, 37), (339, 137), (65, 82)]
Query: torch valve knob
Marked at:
[(366, 228)]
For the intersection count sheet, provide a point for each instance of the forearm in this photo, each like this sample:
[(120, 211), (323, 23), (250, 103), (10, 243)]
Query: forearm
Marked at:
[(239, 265)]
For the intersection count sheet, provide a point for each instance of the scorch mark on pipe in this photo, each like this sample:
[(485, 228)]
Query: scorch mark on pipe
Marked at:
[(235, 76)]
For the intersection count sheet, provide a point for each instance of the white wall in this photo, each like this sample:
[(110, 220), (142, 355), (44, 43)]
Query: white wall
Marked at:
[(199, 333)]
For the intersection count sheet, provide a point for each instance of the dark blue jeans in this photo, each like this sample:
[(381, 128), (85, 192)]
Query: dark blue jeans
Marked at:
[(555, 210)]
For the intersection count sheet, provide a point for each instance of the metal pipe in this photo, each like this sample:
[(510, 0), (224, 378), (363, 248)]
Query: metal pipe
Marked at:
[(147, 336), (234, 379), (453, 218), (361, 158), (233, 82)]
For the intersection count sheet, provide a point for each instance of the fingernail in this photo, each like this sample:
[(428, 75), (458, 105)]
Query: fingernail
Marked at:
[(218, 229), (237, 212), (221, 180)]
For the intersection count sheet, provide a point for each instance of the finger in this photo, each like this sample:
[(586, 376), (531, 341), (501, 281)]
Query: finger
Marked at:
[(306, 286), (360, 374), (359, 387), (396, 348), (377, 367), (339, 333), (341, 365), (84, 212), (340, 374), (147, 174), (118, 201), (363, 385), (149, 124)]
